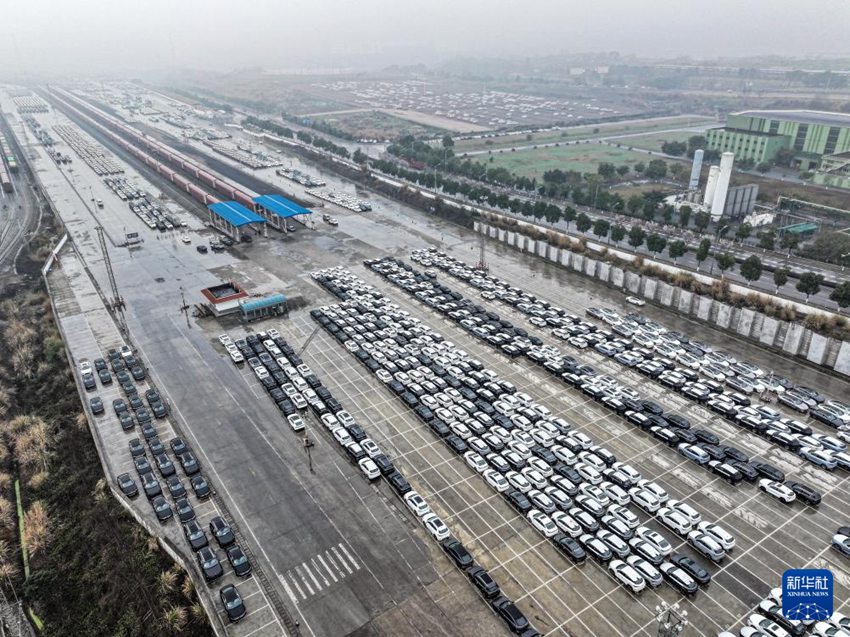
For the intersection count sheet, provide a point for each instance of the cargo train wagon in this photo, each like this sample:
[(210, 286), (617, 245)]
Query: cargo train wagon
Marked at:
[(6, 151), (5, 182)]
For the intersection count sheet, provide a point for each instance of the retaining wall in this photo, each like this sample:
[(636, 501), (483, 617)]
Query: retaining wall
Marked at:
[(791, 338)]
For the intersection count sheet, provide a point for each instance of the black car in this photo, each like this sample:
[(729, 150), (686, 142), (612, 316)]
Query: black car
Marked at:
[(189, 463), (178, 446), (384, 464), (127, 485), (89, 382), (209, 563), (747, 470), (703, 435), (675, 577), (398, 482), (105, 377), (518, 500), (678, 421), (457, 552), (142, 465), (201, 487), (156, 446), (136, 448), (652, 407), (691, 567), (804, 492), (143, 415), (232, 602), (510, 614), (238, 560), (714, 452), (826, 418), (96, 405), (162, 509), (768, 470), (222, 532), (733, 453), (99, 364), (175, 487), (483, 581), (570, 547), (159, 410), (195, 535), (185, 512), (456, 444), (685, 435)]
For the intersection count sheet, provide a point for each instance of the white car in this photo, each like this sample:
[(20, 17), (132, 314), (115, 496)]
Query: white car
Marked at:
[(518, 481), (342, 436), (372, 450), (674, 521), (224, 339), (646, 570), (261, 372), (543, 523), (686, 510), (624, 515), (435, 526), (416, 503), (766, 626), (369, 468), (296, 422), (645, 499), (627, 575), (475, 461), (496, 480), (236, 356), (384, 376), (656, 490), (723, 537), (777, 490), (825, 629), (635, 301), (566, 524)]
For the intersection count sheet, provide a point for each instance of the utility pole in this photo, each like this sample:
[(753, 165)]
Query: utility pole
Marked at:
[(184, 307), (482, 264), (116, 303), (309, 338), (671, 620), (308, 445)]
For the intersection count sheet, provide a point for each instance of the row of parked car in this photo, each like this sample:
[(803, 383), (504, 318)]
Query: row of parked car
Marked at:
[(697, 444), (150, 457), (693, 369), (555, 476), (295, 389)]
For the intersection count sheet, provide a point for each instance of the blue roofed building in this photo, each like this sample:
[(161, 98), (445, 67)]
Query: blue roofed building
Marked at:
[(277, 210), (233, 218)]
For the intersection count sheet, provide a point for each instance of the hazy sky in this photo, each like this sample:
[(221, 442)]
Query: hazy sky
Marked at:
[(126, 35)]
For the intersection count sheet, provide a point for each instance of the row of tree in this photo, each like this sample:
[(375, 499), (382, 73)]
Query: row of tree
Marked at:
[(303, 136)]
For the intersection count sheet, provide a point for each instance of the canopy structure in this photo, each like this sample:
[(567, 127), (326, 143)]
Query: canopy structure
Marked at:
[(276, 209), (799, 228), (266, 306), (231, 216)]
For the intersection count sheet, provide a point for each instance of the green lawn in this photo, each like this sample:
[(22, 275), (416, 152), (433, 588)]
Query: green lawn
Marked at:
[(653, 141), (580, 157), (579, 132)]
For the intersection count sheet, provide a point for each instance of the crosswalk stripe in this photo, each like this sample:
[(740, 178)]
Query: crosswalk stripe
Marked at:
[(319, 571), (304, 580), (297, 585), (348, 555), (313, 577), (288, 589), (341, 561), (327, 568)]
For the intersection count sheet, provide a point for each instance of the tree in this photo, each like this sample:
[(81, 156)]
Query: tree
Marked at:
[(655, 243), (676, 249), (636, 236), (841, 294), (359, 157), (618, 233), (606, 170), (667, 213), (789, 241), (780, 277), (724, 262), (763, 167), (649, 210), (743, 231), (809, 284), (634, 204), (639, 167), (685, 216), (623, 170), (678, 170), (569, 215), (657, 169), (701, 220), (601, 228), (695, 143), (448, 142), (751, 269), (767, 240), (674, 148), (583, 223), (552, 214), (703, 251)]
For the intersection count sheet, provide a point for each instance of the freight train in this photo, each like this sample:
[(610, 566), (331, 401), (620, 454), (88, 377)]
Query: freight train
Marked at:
[(8, 156)]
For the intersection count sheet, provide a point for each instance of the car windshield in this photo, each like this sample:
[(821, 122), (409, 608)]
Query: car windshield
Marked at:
[(233, 603), (239, 559)]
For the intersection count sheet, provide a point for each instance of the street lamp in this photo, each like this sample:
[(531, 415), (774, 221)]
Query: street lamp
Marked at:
[(844, 263), (717, 234), (671, 620)]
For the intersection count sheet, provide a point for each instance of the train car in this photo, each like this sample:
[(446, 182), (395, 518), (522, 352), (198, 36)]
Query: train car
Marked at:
[(5, 182)]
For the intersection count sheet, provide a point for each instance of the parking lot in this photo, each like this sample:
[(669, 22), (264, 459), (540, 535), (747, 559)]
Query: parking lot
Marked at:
[(343, 554)]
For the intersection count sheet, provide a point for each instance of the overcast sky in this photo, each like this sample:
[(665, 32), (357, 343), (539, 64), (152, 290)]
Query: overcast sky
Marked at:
[(94, 36)]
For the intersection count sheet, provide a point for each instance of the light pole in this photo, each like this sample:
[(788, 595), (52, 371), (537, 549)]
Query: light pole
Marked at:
[(671, 620), (843, 262), (717, 234)]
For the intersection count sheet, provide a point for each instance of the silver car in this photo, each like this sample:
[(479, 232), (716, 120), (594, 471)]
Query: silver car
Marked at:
[(646, 570), (706, 545)]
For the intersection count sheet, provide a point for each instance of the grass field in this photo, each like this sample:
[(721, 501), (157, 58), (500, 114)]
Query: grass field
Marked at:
[(582, 157), (370, 124), (653, 141), (581, 132)]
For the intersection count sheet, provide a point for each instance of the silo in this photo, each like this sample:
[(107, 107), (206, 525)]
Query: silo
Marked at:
[(695, 170), (718, 202), (710, 184)]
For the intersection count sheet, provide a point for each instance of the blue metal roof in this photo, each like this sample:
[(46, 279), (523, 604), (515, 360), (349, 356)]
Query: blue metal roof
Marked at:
[(235, 213), (281, 206), (259, 304)]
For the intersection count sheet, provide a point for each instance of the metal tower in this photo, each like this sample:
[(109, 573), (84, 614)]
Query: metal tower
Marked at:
[(116, 303), (482, 264)]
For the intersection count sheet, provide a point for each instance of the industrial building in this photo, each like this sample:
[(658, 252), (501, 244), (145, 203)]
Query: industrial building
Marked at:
[(760, 135), (720, 199)]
